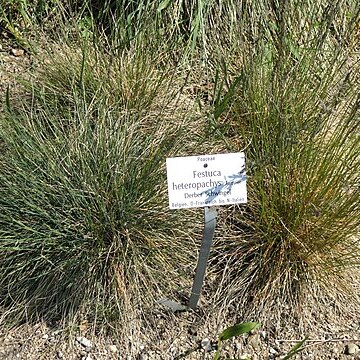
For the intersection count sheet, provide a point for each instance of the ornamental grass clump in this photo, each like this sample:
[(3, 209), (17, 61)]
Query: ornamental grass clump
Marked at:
[(84, 224), (293, 101)]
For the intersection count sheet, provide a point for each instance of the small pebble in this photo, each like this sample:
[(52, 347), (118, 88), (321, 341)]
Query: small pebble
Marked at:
[(17, 52), (83, 341), (244, 357), (113, 349), (263, 334), (206, 344), (351, 349)]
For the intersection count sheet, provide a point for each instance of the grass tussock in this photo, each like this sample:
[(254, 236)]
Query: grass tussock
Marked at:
[(84, 225), (296, 110)]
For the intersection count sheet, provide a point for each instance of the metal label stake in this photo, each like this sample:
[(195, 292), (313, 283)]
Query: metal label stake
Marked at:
[(226, 185), (208, 235)]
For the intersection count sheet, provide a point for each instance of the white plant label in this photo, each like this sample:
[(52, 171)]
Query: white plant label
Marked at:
[(206, 180)]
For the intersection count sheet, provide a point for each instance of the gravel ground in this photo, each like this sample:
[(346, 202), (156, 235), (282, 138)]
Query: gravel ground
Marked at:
[(189, 335)]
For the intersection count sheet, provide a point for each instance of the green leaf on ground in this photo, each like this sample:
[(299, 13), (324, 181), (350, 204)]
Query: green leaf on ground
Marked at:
[(238, 329)]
